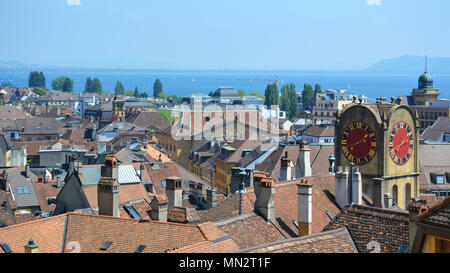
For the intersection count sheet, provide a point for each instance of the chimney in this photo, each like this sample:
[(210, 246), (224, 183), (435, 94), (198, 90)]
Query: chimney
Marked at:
[(141, 171), (159, 206), (211, 198), (196, 191), (387, 200), (128, 144), (357, 187), (285, 171), (58, 181), (236, 179), (108, 189), (265, 193), (73, 165), (378, 195), (341, 186), (304, 208), (174, 192), (110, 169), (31, 247), (44, 175), (27, 171), (303, 168)]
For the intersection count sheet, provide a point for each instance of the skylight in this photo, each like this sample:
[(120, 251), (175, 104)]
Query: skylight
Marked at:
[(106, 245), (140, 249), (6, 248), (23, 190)]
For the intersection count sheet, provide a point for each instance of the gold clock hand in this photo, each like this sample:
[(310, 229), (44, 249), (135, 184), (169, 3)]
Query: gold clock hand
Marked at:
[(359, 141), (403, 142)]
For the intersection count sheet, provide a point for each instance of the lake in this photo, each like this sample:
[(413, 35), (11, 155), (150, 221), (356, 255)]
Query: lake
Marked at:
[(183, 83)]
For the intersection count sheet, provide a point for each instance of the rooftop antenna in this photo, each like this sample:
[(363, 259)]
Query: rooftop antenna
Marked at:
[(426, 63)]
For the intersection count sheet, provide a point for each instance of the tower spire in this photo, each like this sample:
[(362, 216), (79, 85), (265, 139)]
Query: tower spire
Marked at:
[(426, 63)]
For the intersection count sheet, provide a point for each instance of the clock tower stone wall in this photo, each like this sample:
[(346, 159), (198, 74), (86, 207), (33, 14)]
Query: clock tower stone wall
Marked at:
[(396, 181)]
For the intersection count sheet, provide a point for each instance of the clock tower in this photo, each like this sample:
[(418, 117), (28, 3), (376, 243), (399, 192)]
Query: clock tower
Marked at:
[(381, 139)]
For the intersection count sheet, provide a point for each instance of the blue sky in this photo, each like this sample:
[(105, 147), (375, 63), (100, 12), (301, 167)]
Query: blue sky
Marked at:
[(319, 34)]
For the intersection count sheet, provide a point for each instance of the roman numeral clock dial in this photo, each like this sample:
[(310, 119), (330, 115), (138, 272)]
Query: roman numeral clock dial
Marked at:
[(401, 143), (359, 142)]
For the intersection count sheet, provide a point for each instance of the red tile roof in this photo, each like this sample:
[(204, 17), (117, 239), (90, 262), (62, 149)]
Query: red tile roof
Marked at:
[(334, 241)]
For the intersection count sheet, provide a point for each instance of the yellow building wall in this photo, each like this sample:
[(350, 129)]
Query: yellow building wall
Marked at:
[(433, 244)]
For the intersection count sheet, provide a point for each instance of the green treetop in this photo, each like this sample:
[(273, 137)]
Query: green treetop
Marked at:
[(36, 79), (64, 84), (157, 88), (271, 95), (119, 89)]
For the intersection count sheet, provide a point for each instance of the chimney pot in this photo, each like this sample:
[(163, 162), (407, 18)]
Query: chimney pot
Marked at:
[(31, 247), (304, 208)]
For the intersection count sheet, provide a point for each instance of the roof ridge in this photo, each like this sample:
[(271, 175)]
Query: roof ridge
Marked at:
[(234, 218), (435, 208), (34, 221), (130, 219), (386, 211), (294, 239)]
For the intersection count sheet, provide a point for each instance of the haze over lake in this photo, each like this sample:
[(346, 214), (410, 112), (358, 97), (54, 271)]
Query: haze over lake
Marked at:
[(183, 83)]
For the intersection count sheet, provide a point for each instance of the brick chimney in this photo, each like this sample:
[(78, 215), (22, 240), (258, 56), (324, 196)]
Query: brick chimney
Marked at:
[(304, 208), (108, 188), (265, 193), (341, 186), (31, 247), (211, 198), (174, 192), (303, 168), (286, 167), (110, 168), (159, 206)]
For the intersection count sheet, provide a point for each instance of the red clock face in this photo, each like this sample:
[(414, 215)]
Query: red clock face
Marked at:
[(359, 142), (401, 143)]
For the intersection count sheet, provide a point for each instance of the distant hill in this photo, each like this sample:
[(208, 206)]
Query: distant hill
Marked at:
[(412, 64)]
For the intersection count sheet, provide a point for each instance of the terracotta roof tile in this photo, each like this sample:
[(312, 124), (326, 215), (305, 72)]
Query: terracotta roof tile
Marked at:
[(335, 241), (390, 228), (249, 230)]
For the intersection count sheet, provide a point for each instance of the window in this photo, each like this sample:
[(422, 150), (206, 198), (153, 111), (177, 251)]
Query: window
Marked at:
[(440, 179)]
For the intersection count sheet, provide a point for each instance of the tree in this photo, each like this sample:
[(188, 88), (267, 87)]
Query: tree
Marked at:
[(36, 79), (97, 86), (317, 88), (211, 93), (307, 96), (157, 88), (144, 95), (64, 84), (119, 89), (136, 92), (256, 94), (166, 114), (242, 93), (40, 91), (288, 100), (89, 85), (129, 93), (162, 95), (271, 95)]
